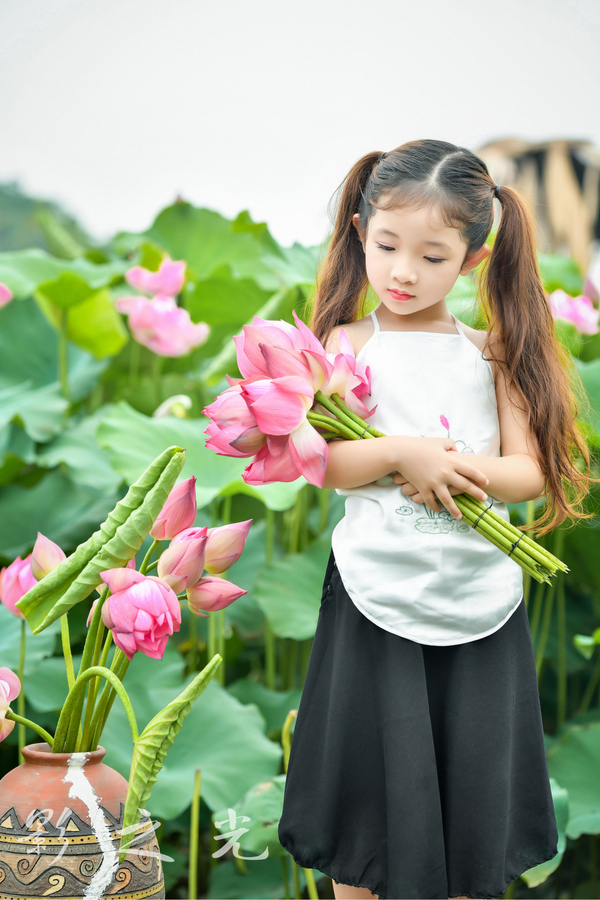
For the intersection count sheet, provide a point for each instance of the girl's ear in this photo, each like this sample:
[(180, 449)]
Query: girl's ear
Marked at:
[(355, 221), (473, 259)]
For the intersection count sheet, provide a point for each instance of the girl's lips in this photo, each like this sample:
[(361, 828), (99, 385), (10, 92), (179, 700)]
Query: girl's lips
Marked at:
[(401, 295)]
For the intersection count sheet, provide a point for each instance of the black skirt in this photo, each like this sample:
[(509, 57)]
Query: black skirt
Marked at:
[(417, 771)]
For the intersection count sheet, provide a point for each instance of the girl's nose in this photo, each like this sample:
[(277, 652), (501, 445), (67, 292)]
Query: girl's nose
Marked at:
[(404, 273)]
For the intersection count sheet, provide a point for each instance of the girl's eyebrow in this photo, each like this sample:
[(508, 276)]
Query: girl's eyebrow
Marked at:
[(428, 243)]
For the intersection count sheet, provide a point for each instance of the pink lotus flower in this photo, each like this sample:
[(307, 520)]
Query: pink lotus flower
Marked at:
[(45, 556), (212, 594), (10, 688), (279, 335), (130, 565), (590, 290), (179, 511), (141, 612), (224, 546), (279, 407), (5, 294), (577, 310), (273, 463), (232, 430), (161, 325), (15, 581), (182, 563), (168, 280)]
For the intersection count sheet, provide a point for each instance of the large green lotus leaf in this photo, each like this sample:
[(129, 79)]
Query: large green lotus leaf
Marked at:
[(40, 411), (150, 749), (225, 303), (261, 806), (538, 874), (574, 761), (132, 439), (261, 880), (61, 510), (28, 352), (37, 648), (77, 449), (207, 240), (223, 737), (296, 264), (279, 306), (17, 449), (25, 270), (66, 291), (560, 272), (289, 591), (274, 705), (115, 542), (93, 323)]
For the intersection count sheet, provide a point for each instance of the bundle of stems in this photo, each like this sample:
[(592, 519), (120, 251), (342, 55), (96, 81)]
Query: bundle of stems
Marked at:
[(342, 422)]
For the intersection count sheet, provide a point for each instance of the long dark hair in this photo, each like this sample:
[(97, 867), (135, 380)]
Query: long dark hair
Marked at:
[(457, 184)]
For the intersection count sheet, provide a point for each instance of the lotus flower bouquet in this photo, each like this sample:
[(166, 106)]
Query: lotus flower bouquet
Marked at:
[(134, 612), (294, 397)]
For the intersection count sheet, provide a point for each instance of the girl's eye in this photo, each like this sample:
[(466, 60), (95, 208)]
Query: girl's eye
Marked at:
[(434, 259), (384, 247)]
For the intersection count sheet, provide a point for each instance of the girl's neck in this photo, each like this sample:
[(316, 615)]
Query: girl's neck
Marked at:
[(436, 319)]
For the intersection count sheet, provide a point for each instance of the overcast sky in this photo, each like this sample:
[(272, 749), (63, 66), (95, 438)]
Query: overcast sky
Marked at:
[(113, 107)]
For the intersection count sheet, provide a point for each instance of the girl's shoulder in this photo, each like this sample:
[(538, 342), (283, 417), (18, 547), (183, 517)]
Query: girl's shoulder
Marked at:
[(358, 333)]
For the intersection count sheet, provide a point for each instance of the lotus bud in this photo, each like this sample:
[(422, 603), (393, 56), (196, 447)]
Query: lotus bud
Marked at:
[(179, 511), (45, 556)]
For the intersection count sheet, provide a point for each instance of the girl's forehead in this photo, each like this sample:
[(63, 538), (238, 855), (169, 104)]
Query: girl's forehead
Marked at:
[(410, 223)]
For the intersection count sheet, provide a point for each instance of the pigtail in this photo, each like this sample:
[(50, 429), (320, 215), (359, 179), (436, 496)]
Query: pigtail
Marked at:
[(520, 317), (342, 279)]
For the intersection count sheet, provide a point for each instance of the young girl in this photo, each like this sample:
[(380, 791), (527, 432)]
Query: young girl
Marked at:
[(417, 766)]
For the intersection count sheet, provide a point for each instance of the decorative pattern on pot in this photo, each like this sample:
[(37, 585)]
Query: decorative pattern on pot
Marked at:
[(61, 816)]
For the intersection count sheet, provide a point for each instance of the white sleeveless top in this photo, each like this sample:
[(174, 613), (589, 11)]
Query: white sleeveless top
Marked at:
[(417, 573)]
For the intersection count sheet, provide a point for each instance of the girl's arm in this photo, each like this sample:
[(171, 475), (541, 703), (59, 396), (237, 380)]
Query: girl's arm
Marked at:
[(355, 463)]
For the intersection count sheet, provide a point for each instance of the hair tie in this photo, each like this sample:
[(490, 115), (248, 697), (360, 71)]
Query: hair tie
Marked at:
[(496, 189), (381, 157)]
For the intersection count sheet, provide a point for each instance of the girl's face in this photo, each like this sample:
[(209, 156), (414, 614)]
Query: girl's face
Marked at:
[(411, 250)]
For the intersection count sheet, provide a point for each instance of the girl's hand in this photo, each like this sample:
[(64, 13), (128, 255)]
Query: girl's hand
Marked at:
[(429, 472), (411, 491)]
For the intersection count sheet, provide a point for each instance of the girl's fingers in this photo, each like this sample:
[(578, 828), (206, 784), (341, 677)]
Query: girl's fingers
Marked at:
[(446, 499), (470, 487)]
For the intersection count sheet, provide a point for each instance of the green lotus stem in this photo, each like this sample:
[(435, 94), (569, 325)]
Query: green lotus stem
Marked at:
[(21, 697), (349, 412), (539, 655), (78, 689), (94, 684), (541, 554), (194, 839), (151, 566), (286, 740), (591, 687), (120, 664), (148, 557), (63, 363), (341, 415), (66, 646), (320, 421), (526, 551), (499, 540), (537, 610), (21, 720), (73, 725), (310, 884)]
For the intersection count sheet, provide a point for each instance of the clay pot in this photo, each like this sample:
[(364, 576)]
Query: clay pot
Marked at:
[(60, 815)]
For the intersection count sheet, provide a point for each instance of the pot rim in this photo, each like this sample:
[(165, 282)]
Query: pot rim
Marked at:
[(41, 755)]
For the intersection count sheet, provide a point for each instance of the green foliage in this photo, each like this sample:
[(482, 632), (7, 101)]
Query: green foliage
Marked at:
[(113, 545), (150, 749), (72, 449)]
